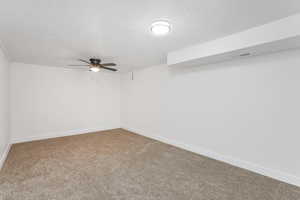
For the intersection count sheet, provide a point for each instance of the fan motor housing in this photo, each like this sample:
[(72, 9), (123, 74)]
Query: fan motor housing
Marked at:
[(95, 61)]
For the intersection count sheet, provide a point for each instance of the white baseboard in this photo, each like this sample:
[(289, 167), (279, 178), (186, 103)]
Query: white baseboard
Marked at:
[(58, 134), (275, 174), (4, 155)]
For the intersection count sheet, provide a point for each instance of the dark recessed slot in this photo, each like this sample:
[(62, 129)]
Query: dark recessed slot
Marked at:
[(245, 54)]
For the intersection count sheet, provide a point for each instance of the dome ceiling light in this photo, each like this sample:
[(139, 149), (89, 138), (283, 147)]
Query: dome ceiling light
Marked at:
[(160, 28)]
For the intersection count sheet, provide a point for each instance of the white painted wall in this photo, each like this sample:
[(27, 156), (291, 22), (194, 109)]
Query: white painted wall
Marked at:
[(50, 101), (245, 112), (4, 106)]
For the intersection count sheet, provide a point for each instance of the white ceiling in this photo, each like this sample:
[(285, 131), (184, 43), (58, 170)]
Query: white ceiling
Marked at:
[(57, 32)]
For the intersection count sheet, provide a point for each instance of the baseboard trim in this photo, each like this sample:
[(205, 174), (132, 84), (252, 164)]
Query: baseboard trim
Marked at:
[(58, 134), (4, 155), (275, 174)]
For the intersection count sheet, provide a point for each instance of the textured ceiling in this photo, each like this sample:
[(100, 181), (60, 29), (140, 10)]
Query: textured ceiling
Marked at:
[(57, 32)]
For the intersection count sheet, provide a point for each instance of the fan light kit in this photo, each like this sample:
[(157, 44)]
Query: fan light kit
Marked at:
[(95, 69), (160, 28)]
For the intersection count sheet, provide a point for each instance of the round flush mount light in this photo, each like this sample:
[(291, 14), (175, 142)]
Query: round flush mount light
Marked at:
[(160, 28), (95, 69)]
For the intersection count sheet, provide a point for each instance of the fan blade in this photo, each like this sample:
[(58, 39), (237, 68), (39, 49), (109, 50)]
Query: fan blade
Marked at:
[(108, 64), (108, 68), (75, 68), (84, 61), (78, 65)]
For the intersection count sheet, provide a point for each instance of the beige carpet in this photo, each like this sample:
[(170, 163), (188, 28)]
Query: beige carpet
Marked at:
[(119, 165)]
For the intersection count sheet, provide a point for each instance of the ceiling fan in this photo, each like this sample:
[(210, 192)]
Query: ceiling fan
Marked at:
[(95, 65)]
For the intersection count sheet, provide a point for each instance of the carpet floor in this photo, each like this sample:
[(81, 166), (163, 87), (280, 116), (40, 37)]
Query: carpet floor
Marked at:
[(120, 165)]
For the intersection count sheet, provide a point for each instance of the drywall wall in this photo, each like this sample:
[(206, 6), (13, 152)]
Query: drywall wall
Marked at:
[(52, 101), (245, 111), (4, 107)]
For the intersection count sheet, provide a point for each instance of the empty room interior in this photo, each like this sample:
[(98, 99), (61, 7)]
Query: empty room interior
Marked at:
[(150, 100)]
